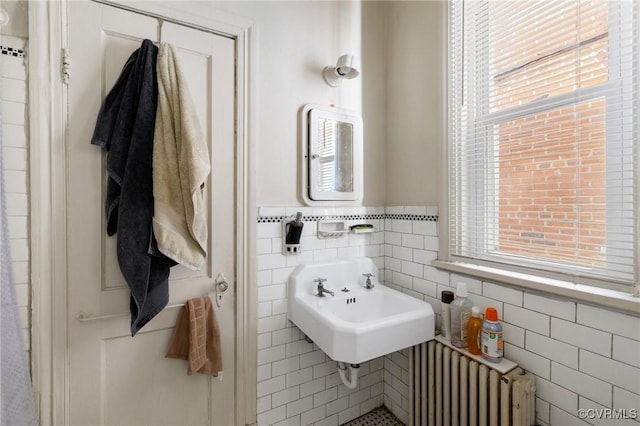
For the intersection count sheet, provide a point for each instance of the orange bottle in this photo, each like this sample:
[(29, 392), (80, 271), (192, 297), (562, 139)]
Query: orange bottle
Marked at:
[(473, 331)]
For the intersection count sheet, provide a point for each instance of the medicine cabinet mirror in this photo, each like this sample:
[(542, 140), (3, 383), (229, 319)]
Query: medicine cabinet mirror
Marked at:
[(332, 156)]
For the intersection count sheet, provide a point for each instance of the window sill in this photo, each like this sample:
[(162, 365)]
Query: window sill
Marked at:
[(592, 295)]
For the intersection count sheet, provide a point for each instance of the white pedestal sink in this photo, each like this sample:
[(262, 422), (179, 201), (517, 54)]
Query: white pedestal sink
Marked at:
[(359, 324)]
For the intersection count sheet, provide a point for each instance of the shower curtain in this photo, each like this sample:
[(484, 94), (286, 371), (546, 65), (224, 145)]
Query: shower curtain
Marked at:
[(17, 404)]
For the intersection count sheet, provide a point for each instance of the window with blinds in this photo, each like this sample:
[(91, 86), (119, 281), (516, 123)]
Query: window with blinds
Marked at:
[(544, 130)]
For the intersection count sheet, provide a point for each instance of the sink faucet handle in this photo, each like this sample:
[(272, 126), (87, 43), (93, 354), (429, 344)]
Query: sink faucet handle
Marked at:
[(368, 284), (319, 281)]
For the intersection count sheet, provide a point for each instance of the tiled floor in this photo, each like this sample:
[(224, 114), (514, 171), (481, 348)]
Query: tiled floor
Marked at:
[(378, 417)]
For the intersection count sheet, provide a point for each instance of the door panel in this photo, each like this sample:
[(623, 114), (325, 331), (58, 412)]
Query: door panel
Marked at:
[(167, 402), (114, 378)]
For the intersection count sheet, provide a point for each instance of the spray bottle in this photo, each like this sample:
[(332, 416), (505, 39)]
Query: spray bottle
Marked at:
[(491, 336)]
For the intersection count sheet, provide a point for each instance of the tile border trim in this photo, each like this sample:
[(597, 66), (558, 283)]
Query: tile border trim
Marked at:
[(420, 217), (10, 51), (313, 218)]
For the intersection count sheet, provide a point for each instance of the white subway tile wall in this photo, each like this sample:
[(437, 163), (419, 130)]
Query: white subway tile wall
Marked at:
[(13, 72), (584, 357), (297, 383)]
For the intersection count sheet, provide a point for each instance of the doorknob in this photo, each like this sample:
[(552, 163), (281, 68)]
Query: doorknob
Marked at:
[(221, 286)]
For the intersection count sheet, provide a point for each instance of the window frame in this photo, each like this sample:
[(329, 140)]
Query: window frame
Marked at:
[(575, 276)]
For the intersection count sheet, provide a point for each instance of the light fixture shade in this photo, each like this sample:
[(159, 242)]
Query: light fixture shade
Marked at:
[(346, 67), (4, 18)]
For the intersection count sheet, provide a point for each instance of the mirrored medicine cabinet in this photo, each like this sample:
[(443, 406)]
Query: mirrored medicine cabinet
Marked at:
[(332, 154)]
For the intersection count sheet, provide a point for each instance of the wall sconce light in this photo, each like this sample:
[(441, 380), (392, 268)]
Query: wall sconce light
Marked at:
[(346, 67)]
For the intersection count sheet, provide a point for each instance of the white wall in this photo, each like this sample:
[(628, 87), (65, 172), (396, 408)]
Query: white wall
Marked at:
[(374, 101), (415, 113), (399, 93), (295, 41), (13, 73)]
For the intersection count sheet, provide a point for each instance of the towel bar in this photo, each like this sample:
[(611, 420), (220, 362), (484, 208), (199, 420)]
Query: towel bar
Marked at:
[(80, 316)]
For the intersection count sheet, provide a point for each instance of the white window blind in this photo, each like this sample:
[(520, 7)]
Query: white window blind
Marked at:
[(544, 131)]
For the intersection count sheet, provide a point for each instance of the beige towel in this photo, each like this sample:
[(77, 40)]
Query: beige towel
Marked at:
[(196, 338), (180, 168)]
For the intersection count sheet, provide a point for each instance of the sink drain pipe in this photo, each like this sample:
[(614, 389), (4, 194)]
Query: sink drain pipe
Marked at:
[(351, 381)]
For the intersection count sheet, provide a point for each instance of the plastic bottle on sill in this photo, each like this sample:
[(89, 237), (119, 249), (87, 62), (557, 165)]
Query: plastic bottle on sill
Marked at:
[(491, 336), (446, 298), (460, 313), (473, 331)]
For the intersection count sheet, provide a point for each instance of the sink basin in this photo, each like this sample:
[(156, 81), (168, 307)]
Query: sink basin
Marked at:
[(360, 324)]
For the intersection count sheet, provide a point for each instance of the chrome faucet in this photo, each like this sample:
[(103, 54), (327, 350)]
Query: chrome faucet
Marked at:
[(368, 284), (321, 289)]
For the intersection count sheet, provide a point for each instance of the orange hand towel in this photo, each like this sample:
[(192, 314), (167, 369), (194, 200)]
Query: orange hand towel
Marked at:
[(196, 338)]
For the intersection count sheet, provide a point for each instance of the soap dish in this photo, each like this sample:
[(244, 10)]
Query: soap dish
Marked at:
[(364, 228), (332, 229)]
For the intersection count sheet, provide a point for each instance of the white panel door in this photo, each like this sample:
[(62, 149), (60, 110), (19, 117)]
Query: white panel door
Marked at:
[(113, 378)]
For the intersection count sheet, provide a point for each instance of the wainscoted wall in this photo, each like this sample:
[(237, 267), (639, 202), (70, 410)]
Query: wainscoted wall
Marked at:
[(583, 356), (15, 153), (297, 383)]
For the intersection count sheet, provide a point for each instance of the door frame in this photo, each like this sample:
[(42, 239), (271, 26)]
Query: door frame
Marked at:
[(47, 159)]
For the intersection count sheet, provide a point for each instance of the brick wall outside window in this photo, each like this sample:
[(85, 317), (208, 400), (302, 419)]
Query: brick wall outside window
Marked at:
[(552, 178), (551, 171)]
